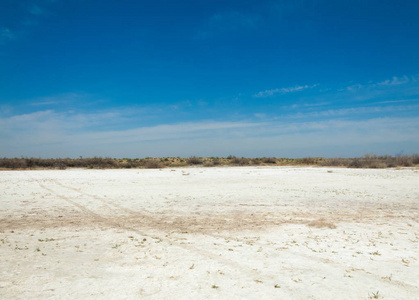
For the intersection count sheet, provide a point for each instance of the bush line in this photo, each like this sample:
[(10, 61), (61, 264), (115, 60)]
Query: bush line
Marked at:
[(366, 161)]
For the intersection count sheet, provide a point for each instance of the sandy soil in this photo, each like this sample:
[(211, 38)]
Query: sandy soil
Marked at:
[(210, 233)]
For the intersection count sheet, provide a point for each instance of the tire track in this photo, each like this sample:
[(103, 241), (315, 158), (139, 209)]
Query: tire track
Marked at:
[(252, 274), (106, 202)]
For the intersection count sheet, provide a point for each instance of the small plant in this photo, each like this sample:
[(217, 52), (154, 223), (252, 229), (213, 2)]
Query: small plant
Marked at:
[(215, 286), (46, 240), (374, 295)]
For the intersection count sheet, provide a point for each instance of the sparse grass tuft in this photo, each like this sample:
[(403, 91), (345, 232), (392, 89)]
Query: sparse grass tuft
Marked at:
[(374, 295)]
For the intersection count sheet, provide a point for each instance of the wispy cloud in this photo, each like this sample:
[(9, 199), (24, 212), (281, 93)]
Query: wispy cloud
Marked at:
[(268, 93), (35, 10), (396, 101), (51, 133), (305, 105), (353, 87), (6, 34), (53, 129), (394, 81), (353, 111), (26, 15), (65, 98)]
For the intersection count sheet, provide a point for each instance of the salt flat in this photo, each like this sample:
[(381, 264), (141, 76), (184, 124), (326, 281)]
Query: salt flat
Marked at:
[(210, 233)]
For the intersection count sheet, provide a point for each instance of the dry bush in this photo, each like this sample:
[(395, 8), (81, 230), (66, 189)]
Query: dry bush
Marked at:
[(373, 161), (241, 161), (216, 161), (125, 164), (98, 163), (13, 163), (334, 162), (193, 160), (269, 160), (212, 162), (152, 164), (255, 161), (308, 161), (405, 161)]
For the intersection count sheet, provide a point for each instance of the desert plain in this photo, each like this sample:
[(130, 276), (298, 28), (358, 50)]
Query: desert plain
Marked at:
[(210, 233)]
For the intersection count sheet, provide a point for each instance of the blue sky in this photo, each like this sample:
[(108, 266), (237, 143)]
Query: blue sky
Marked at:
[(208, 78)]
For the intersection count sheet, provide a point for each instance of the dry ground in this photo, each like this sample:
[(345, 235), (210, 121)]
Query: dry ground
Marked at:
[(210, 233)]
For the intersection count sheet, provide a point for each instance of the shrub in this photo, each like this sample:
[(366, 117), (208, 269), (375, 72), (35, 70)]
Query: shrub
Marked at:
[(152, 164), (308, 161), (335, 162), (13, 163), (269, 160), (241, 161), (355, 163), (193, 160), (404, 161), (255, 161), (212, 162), (216, 162)]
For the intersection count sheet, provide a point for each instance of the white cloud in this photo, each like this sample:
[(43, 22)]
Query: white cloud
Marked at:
[(59, 134), (268, 93), (395, 81), (32, 117)]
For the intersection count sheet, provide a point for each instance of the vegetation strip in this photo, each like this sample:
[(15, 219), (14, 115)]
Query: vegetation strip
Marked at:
[(366, 161)]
